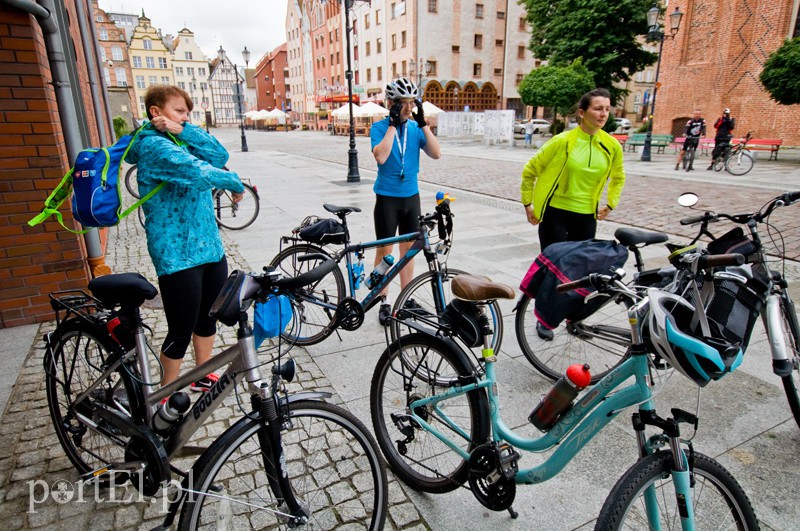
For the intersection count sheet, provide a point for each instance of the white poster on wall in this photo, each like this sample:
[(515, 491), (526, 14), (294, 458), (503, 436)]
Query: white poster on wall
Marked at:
[(499, 125)]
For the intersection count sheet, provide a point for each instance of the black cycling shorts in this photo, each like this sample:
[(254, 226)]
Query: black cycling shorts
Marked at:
[(690, 141), (393, 213), (187, 296)]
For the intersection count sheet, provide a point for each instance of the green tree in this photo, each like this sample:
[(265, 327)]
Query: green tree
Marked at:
[(120, 127), (603, 33), (559, 87), (779, 75)]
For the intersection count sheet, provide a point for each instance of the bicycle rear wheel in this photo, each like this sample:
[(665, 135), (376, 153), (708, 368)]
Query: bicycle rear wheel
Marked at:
[(333, 464), (419, 296), (719, 501), (688, 159), (236, 215), (791, 342), (739, 163), (601, 340), (315, 304), (79, 357), (130, 182), (419, 366)]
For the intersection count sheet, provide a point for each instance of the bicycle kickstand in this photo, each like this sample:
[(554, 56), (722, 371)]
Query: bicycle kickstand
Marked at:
[(514, 514)]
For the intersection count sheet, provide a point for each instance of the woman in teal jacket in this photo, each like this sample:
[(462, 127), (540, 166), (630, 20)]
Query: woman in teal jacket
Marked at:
[(182, 234), (562, 185)]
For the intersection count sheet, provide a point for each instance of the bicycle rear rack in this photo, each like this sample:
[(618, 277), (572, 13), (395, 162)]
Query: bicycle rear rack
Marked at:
[(77, 304)]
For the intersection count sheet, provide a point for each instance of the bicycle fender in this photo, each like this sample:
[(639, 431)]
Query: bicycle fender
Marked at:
[(305, 395)]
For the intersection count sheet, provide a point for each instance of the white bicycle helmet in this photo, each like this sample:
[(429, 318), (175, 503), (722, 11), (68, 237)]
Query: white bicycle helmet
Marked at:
[(699, 359), (402, 88)]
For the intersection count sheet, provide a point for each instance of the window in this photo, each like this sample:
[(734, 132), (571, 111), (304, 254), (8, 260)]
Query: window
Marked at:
[(498, 43), (520, 52), (433, 6), (519, 78), (394, 41), (148, 44), (456, 49), (179, 70), (107, 76), (402, 39), (137, 61), (394, 7), (103, 34), (187, 56), (140, 82), (152, 80), (478, 10), (181, 85), (394, 69), (478, 41), (476, 70), (355, 54), (203, 86), (380, 73), (122, 78), (102, 55), (501, 15), (369, 75), (404, 68), (432, 68), (201, 71), (116, 53), (522, 26), (498, 71), (367, 48), (165, 80), (378, 46), (190, 70), (150, 62), (378, 17), (366, 21), (162, 62)]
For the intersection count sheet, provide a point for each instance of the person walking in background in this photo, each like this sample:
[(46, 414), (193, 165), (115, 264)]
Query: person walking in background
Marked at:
[(724, 126), (529, 128), (562, 185), (692, 132), (182, 234), (396, 144)]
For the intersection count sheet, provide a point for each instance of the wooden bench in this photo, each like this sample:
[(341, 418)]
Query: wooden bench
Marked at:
[(657, 141), (704, 147), (763, 144), (621, 139)]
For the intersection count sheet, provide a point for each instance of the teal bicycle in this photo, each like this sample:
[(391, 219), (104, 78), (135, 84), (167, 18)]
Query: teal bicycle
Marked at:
[(437, 420)]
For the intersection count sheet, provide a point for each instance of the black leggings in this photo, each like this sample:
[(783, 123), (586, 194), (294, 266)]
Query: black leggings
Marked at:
[(188, 296), (565, 226), (392, 213)]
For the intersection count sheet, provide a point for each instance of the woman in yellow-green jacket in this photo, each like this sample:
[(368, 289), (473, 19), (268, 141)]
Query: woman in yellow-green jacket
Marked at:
[(562, 185)]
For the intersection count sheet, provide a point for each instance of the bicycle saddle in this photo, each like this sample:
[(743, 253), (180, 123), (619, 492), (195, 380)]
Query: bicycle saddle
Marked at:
[(628, 237), (340, 210), (475, 288), (124, 289)]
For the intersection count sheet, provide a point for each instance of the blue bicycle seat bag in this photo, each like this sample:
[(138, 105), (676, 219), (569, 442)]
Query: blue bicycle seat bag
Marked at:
[(94, 182)]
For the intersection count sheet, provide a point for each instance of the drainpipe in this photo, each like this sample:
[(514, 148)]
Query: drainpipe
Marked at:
[(67, 108), (93, 67)]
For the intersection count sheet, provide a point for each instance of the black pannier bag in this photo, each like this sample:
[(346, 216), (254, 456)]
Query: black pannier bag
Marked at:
[(735, 306), (464, 319), (733, 241), (323, 231)]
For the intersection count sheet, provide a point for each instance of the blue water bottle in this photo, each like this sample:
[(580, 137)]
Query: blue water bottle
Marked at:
[(379, 271)]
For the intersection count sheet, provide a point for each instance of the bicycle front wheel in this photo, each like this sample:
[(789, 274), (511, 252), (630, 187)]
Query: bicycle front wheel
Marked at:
[(601, 340), (130, 182), (236, 215), (314, 305), (420, 295), (79, 357), (419, 366), (791, 382), (739, 163), (333, 464), (688, 159), (719, 501)]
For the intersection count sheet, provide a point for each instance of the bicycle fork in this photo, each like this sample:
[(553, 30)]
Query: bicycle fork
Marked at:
[(682, 464), (778, 305)]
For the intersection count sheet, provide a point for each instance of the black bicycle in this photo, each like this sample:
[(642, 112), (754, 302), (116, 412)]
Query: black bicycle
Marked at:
[(290, 461), (691, 150), (736, 160)]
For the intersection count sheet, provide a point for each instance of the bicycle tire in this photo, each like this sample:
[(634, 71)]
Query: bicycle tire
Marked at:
[(236, 215), (130, 182), (575, 342), (320, 322), (80, 354), (739, 164), (425, 463), (791, 342), (333, 462), (688, 159), (719, 501), (427, 307)]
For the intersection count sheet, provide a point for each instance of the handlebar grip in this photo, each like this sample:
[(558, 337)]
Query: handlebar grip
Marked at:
[(308, 277), (720, 260), (691, 220), (791, 197), (584, 282)]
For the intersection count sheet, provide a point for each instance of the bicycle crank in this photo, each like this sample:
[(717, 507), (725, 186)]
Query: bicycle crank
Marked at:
[(349, 314), (492, 468)]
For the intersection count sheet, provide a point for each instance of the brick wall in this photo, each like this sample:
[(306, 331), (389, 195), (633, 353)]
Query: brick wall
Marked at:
[(33, 260), (715, 61)]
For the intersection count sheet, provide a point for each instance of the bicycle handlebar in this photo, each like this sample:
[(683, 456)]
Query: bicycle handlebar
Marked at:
[(708, 261), (710, 217), (308, 277)]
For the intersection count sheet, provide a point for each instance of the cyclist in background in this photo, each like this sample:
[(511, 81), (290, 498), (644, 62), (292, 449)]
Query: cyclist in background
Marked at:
[(724, 126), (694, 130), (396, 144)]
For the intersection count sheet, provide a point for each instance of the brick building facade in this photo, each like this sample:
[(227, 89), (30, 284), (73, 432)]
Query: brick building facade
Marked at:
[(35, 261), (715, 62), (272, 81)]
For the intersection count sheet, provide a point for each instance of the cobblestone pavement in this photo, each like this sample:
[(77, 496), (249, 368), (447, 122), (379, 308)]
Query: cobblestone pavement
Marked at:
[(32, 460)]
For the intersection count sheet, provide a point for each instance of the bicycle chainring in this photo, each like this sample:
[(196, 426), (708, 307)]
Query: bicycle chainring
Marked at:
[(491, 475), (349, 314)]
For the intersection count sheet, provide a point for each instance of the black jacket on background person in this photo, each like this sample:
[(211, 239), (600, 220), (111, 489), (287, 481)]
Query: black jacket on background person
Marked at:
[(724, 126)]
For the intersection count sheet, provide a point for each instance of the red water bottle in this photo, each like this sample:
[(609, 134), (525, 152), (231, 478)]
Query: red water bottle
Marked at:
[(559, 399)]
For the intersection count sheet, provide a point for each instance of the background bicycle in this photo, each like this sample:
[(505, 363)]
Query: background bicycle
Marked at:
[(737, 160), (273, 468), (230, 214)]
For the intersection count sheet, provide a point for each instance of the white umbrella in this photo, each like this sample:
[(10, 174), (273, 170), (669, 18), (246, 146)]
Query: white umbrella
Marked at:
[(430, 109), (262, 115), (250, 114), (278, 115), (370, 109), (344, 111)]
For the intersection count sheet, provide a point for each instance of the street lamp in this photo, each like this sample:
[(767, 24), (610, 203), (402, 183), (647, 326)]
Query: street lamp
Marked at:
[(421, 67), (238, 90), (204, 106), (655, 33), (352, 154)]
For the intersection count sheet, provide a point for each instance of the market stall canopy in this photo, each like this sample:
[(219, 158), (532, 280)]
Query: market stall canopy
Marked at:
[(431, 109), (344, 112), (278, 115), (370, 109), (260, 115), (251, 114)]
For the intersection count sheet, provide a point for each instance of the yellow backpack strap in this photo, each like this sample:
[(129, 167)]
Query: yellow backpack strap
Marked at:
[(54, 201)]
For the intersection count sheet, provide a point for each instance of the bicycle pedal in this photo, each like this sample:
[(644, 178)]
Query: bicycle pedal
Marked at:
[(508, 458)]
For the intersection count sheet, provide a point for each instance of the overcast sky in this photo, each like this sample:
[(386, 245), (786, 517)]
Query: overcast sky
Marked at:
[(258, 24)]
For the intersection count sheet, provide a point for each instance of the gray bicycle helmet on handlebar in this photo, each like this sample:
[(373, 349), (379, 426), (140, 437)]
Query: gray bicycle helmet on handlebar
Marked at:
[(402, 88)]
